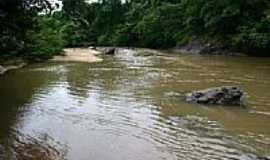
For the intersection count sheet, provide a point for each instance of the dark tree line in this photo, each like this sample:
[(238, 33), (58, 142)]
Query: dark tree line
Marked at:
[(242, 25)]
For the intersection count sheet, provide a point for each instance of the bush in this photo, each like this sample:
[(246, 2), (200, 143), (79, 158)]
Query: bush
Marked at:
[(74, 34), (237, 24), (251, 40), (47, 39)]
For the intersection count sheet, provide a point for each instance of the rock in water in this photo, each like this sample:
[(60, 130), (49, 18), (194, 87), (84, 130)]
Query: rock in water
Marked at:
[(109, 51), (225, 95)]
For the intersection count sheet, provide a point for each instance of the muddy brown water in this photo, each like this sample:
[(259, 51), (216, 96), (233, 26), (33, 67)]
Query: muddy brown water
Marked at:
[(129, 107)]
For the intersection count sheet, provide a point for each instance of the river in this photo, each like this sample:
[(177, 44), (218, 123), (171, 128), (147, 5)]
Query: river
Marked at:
[(129, 107)]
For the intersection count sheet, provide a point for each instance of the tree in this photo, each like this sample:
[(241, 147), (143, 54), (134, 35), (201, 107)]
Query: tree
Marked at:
[(16, 17)]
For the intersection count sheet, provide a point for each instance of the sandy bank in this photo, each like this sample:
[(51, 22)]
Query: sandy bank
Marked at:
[(79, 55)]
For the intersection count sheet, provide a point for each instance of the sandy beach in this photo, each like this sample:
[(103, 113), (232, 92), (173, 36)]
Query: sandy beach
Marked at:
[(79, 55)]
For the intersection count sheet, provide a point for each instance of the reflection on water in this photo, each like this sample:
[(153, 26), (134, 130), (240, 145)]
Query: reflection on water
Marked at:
[(130, 107)]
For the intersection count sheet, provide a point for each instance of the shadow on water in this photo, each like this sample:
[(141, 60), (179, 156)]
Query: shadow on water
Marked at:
[(129, 107)]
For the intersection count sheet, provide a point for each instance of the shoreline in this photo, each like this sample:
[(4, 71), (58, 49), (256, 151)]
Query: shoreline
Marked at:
[(91, 54), (78, 55), (70, 55)]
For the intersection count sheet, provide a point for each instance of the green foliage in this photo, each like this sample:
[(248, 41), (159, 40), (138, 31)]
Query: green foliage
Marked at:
[(242, 25), (74, 34), (47, 39), (163, 24), (16, 17), (13, 20), (124, 35), (255, 38), (159, 27)]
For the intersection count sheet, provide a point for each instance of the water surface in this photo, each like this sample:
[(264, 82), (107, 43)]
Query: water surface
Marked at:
[(129, 107)]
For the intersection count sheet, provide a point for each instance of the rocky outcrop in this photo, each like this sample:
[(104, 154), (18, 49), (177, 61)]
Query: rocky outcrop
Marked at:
[(109, 51), (198, 46), (225, 95)]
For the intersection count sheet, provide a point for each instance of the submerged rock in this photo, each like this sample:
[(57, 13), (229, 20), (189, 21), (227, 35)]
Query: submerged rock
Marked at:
[(225, 95)]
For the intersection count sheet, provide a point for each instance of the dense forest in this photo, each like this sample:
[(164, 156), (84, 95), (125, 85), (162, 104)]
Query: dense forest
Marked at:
[(38, 28)]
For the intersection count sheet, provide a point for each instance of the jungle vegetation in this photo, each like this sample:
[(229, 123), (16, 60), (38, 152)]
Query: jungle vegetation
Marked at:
[(36, 28)]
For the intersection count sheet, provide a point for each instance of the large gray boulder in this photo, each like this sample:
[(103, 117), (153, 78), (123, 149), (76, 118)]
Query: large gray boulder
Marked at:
[(225, 95)]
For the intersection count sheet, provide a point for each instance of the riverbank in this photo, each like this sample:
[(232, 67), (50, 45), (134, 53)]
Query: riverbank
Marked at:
[(79, 55), (90, 54), (69, 55), (206, 47)]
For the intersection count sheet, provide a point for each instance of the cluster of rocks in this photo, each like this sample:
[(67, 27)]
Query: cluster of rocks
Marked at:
[(225, 95)]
